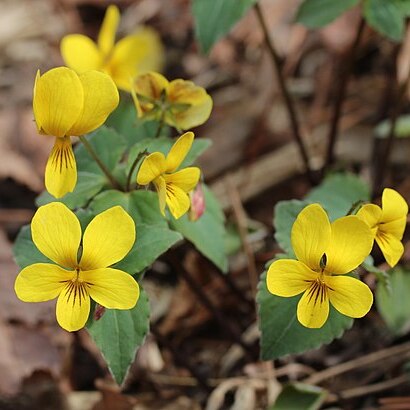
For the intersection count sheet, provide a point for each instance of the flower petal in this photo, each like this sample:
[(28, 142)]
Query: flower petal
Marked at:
[(61, 168), (107, 239), (395, 227), (311, 235), (177, 200), (106, 36), (80, 53), (151, 86), (287, 277), (56, 232), (57, 101), (133, 55), (197, 101), (394, 205), (371, 214), (73, 306), (186, 179), (313, 306), (179, 151), (152, 167), (161, 188), (100, 99), (112, 288), (40, 282), (349, 296), (391, 247), (350, 244)]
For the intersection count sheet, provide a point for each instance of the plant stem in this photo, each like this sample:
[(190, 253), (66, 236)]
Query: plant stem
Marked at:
[(343, 74), (293, 119), (115, 184), (133, 166), (160, 125)]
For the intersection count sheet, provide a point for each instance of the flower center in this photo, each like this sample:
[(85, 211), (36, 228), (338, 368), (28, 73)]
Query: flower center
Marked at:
[(76, 289), (318, 290)]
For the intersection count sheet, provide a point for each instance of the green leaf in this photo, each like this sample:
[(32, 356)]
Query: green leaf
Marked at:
[(300, 396), (338, 192), (25, 252), (119, 334), (126, 122), (282, 334), (208, 232), (107, 144), (386, 17), (153, 234), (285, 214), (394, 305), (318, 13), (404, 6), (214, 19), (88, 185), (199, 146), (383, 277), (402, 128)]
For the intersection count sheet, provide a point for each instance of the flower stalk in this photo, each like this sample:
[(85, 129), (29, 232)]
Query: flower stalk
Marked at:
[(115, 184), (133, 166)]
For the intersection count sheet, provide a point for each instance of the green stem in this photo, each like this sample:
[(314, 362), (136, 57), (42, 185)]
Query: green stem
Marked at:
[(354, 207), (115, 184), (133, 166), (160, 125)]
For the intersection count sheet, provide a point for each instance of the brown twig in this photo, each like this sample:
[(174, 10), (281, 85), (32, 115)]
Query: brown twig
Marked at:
[(180, 358), (223, 322), (227, 279), (290, 106), (357, 363), (367, 390), (381, 167), (343, 74), (241, 222)]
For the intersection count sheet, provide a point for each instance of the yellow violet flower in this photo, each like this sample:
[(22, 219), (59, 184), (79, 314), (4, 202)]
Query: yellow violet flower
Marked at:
[(387, 223), (134, 54), (76, 277), (173, 186), (66, 104), (179, 103), (325, 252)]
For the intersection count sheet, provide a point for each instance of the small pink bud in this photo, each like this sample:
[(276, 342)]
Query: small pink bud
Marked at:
[(197, 203), (98, 312)]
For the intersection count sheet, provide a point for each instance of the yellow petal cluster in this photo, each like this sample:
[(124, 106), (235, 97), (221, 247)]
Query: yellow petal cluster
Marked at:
[(325, 252), (66, 104), (133, 54), (387, 224), (179, 103), (74, 279), (172, 186)]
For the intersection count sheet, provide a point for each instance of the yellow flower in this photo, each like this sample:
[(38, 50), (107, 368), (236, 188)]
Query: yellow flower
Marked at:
[(387, 223), (325, 251), (76, 276), (172, 186), (181, 104), (66, 104), (134, 54)]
